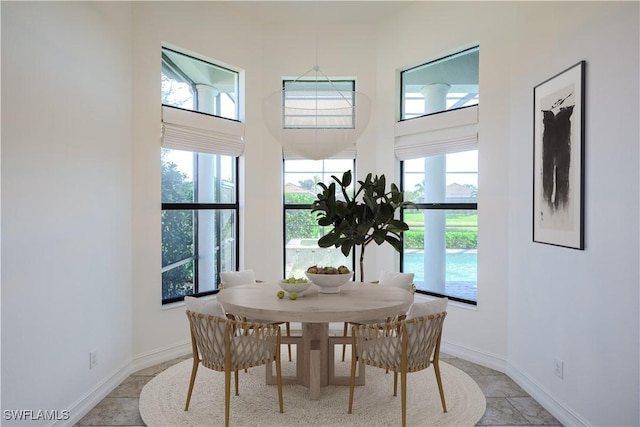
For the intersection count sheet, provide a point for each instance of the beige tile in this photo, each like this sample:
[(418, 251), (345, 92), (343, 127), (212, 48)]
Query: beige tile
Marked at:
[(467, 367), (533, 411), (131, 387), (499, 386), (114, 411), (501, 413), (156, 369)]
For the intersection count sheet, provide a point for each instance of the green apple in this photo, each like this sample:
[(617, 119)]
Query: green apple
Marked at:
[(293, 295), (280, 294)]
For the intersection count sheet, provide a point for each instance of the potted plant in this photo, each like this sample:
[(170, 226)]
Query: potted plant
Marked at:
[(368, 216)]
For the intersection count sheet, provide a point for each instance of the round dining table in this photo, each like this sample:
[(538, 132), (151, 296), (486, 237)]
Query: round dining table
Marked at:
[(356, 302)]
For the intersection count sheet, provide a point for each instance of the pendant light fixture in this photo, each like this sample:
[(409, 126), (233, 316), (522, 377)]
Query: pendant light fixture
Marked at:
[(315, 117)]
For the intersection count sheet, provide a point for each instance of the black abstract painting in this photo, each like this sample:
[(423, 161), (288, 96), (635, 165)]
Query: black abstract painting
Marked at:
[(558, 159), (556, 154)]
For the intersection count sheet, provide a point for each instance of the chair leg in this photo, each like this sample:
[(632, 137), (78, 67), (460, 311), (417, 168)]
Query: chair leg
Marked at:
[(403, 397), (395, 383), (288, 328), (352, 381), (194, 370), (436, 368), (236, 378), (344, 334), (279, 381), (227, 397)]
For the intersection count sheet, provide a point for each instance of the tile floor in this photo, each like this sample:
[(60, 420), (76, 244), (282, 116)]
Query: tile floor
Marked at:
[(507, 403)]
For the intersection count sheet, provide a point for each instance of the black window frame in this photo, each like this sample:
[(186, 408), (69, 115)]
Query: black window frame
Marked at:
[(286, 82), (402, 90), (433, 206), (301, 206), (195, 206)]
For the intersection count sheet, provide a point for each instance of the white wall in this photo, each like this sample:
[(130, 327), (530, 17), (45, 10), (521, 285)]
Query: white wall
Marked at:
[(579, 306), (66, 203)]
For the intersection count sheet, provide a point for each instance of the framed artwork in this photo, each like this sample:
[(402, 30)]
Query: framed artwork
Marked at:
[(558, 159)]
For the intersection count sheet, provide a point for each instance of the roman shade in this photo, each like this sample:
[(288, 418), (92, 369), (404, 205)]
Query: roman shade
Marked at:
[(347, 153), (203, 133), (447, 132)]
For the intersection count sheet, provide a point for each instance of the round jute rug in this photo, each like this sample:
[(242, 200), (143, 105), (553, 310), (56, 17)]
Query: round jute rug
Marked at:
[(162, 400)]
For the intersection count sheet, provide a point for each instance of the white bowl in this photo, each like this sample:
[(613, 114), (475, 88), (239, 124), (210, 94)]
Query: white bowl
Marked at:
[(298, 288), (329, 283)]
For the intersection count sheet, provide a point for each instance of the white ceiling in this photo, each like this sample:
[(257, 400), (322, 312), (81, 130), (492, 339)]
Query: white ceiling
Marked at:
[(327, 11)]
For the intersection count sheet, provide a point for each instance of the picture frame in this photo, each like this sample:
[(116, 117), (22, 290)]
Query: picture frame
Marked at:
[(558, 159)]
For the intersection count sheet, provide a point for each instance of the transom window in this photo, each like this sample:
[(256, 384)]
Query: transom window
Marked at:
[(318, 104), (448, 83), (197, 85)]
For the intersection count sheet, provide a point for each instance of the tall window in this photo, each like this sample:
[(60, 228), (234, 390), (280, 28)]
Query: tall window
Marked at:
[(199, 221), (199, 162), (446, 84), (441, 245), (438, 148), (301, 231)]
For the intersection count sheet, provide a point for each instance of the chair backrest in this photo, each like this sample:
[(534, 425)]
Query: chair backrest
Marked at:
[(208, 339), (235, 278), (246, 344), (422, 335), (385, 344), (397, 279)]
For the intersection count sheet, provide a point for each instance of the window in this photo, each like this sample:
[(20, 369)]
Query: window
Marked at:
[(301, 231), (199, 221), (441, 245), (438, 150), (445, 84), (318, 104), (196, 85), (199, 160)]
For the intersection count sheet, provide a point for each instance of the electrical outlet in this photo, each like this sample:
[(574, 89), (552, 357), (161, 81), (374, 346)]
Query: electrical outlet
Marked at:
[(559, 368), (93, 359)]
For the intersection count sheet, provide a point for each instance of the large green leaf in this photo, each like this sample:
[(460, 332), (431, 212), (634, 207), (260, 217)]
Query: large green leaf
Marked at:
[(396, 224), (395, 242)]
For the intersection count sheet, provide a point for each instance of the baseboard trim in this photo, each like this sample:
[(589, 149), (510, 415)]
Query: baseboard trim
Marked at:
[(562, 413), (474, 355), (90, 399), (151, 358)]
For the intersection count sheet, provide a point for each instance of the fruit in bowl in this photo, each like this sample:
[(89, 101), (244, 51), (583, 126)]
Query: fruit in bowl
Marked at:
[(295, 285), (329, 279)]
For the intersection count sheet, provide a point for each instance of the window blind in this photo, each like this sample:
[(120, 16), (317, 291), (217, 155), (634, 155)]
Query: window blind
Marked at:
[(442, 133), (348, 153), (203, 133)]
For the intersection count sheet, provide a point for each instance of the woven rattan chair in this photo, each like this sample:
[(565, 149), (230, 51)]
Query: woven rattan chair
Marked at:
[(226, 345), (398, 280), (403, 346), (246, 277)]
